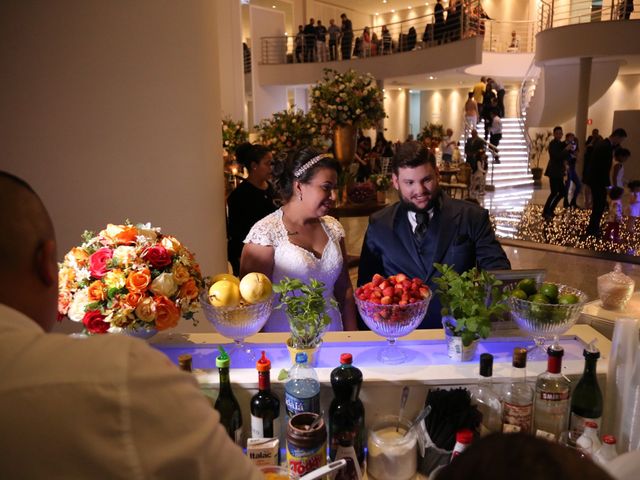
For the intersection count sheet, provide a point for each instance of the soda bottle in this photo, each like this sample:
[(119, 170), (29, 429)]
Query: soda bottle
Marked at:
[(302, 389), (346, 418)]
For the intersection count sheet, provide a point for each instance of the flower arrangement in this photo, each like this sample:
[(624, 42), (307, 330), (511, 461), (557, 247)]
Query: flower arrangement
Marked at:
[(289, 130), (380, 181), (539, 144), (128, 278), (233, 135), (346, 98), (431, 130)]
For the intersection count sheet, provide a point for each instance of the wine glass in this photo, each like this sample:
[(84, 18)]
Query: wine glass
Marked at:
[(239, 322), (392, 322), (544, 320)]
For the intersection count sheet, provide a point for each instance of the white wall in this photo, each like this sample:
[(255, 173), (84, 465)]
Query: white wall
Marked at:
[(325, 11), (114, 113), (396, 106), (230, 54)]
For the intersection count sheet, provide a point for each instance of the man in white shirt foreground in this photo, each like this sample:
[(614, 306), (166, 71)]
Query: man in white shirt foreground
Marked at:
[(100, 407)]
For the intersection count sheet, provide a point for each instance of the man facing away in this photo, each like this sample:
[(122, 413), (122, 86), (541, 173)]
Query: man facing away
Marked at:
[(558, 156), (425, 227), (321, 42), (101, 407), (347, 37), (470, 115), (334, 34)]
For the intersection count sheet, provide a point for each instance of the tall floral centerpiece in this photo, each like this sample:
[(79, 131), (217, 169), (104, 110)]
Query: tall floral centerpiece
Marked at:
[(381, 183), (289, 130), (130, 279), (539, 144), (233, 135), (344, 102)]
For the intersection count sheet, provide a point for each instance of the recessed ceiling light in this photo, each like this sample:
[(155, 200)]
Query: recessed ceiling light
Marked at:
[(409, 7), (383, 90), (377, 14), (431, 77), (273, 6), (384, 1), (393, 10)]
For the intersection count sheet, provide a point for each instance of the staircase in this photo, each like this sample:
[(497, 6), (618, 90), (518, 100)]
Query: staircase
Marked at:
[(513, 169)]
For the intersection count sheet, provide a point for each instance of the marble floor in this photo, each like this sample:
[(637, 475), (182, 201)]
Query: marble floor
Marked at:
[(562, 266)]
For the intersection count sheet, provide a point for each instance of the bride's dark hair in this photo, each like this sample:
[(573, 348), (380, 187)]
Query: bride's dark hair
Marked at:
[(284, 166)]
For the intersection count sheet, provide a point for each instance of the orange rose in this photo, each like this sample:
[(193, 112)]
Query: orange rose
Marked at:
[(66, 277), (167, 314), (180, 274), (96, 291), (64, 300), (133, 298), (138, 281), (189, 290), (78, 254), (127, 236)]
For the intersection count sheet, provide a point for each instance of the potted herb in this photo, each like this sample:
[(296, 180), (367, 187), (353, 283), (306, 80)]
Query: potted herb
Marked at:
[(539, 145), (469, 300), (306, 310)]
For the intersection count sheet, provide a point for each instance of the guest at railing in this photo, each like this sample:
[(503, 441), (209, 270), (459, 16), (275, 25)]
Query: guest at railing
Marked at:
[(347, 37), (366, 43), (452, 24), (427, 36), (334, 35), (386, 41), (321, 42), (357, 48), (375, 45), (514, 46), (438, 15), (299, 41), (625, 9), (412, 38), (309, 41)]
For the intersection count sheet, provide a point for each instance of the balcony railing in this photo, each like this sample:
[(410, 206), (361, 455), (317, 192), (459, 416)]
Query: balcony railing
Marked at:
[(553, 14)]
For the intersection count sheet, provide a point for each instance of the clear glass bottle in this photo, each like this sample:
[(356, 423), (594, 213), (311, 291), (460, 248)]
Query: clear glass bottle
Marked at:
[(265, 406), (551, 408), (586, 400), (226, 403), (486, 398), (517, 402)]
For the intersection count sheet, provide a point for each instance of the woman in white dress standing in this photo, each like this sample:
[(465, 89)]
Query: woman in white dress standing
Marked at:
[(299, 240)]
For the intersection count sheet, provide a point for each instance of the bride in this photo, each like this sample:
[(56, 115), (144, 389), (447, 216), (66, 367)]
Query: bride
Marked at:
[(299, 240)]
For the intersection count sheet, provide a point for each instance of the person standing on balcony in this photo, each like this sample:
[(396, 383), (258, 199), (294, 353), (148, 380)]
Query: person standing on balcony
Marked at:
[(321, 42), (366, 42), (309, 41), (334, 34), (558, 155), (347, 37), (470, 114), (438, 15), (598, 177), (386, 41), (300, 44), (626, 8)]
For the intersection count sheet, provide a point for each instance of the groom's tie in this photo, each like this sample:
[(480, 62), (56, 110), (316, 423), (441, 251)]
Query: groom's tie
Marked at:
[(422, 220)]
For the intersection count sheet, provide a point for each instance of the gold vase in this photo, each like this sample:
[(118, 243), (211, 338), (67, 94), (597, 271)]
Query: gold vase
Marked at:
[(344, 144)]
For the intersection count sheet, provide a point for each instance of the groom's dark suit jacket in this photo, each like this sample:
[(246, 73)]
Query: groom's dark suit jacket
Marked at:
[(459, 234)]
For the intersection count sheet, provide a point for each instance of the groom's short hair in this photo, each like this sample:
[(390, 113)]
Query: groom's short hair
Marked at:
[(411, 155)]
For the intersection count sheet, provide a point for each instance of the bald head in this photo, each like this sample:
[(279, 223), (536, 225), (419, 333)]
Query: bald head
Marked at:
[(28, 269)]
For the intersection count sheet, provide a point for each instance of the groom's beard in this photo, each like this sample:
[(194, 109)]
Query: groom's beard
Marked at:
[(412, 207)]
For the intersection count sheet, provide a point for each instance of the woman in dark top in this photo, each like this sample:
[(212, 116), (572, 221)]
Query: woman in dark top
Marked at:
[(251, 201)]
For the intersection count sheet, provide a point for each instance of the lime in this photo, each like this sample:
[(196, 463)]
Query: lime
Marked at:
[(527, 285), (539, 298), (568, 299), (521, 294), (550, 291)]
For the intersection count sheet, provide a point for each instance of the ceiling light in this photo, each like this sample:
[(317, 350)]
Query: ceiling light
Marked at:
[(409, 7), (384, 1), (273, 6), (393, 10), (431, 77), (383, 90), (377, 14)]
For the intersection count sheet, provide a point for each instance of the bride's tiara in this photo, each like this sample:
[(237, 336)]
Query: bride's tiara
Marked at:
[(300, 171)]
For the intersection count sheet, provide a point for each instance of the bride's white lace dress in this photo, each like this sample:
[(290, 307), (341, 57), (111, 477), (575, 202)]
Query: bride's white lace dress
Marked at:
[(290, 260)]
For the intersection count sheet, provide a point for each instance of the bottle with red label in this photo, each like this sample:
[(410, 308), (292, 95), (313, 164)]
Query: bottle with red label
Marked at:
[(551, 405)]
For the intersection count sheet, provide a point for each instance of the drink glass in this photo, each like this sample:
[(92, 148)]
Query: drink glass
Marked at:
[(392, 454), (271, 472)]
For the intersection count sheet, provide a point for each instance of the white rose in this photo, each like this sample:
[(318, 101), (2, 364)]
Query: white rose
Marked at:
[(147, 231), (164, 284), (78, 304), (124, 255), (146, 310)]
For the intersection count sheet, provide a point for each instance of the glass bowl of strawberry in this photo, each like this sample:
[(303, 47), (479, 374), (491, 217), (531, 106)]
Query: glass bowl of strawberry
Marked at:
[(393, 307)]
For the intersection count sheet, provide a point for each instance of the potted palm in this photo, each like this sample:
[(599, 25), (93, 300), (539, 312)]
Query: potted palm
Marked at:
[(539, 144), (469, 301), (306, 309)]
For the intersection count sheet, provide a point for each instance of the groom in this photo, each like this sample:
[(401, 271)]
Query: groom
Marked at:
[(425, 227)]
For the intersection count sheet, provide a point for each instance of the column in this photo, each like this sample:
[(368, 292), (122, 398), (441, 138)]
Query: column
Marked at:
[(582, 109), (301, 99), (114, 114), (231, 58)]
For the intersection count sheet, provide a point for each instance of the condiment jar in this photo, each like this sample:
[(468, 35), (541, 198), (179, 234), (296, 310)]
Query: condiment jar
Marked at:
[(392, 454), (306, 446)]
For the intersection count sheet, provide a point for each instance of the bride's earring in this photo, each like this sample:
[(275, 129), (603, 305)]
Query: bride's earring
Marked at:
[(300, 196)]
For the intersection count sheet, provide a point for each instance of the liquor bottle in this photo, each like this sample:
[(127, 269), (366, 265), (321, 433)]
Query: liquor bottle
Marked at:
[(486, 398), (346, 418), (302, 389), (265, 406), (226, 403), (586, 401), (517, 402), (551, 408), (184, 362)]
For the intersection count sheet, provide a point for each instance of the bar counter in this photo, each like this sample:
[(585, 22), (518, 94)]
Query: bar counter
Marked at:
[(428, 365)]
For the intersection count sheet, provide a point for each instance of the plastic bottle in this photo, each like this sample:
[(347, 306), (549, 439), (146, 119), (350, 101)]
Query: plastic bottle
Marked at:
[(607, 451), (631, 424), (302, 389), (464, 438), (589, 442)]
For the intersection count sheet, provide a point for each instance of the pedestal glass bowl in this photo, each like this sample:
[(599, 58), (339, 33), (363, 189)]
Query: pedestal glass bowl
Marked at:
[(392, 322), (542, 320), (238, 323)]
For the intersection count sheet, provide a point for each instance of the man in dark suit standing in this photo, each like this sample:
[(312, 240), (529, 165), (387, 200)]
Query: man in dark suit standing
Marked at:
[(599, 174), (425, 227), (558, 155)]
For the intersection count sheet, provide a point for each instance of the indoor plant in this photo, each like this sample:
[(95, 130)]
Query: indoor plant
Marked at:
[(233, 135), (431, 130), (130, 279), (381, 182), (289, 130), (469, 300), (306, 310), (539, 144)]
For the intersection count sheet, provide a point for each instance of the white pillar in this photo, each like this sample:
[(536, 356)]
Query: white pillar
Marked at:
[(113, 113), (582, 109), (231, 56), (301, 98)]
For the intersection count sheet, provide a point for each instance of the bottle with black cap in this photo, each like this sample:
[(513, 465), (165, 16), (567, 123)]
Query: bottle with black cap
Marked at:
[(517, 402), (486, 398), (586, 401)]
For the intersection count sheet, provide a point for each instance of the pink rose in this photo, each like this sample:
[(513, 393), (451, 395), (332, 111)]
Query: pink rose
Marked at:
[(98, 262), (94, 322), (157, 256)]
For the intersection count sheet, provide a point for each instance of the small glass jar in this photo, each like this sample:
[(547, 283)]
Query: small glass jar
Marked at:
[(277, 473), (392, 454)]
